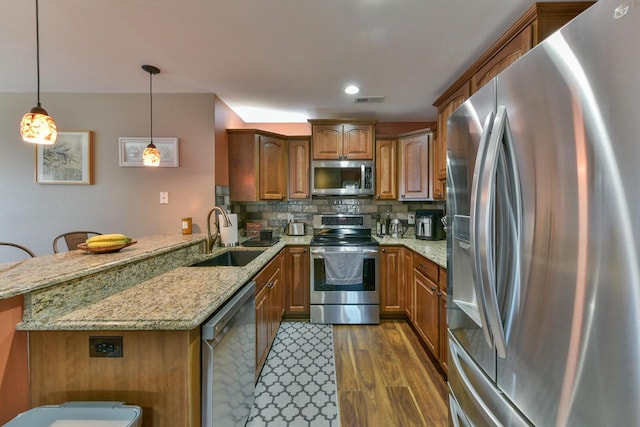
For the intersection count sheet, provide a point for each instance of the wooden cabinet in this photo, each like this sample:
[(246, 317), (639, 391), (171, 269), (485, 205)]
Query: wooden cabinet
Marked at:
[(426, 310), (536, 24), (407, 278), (273, 166), (507, 55), (257, 165), (414, 165), (443, 355), (342, 140), (392, 287), (297, 283), (262, 328), (386, 173), (445, 109), (269, 307), (299, 158), (430, 309), (439, 157)]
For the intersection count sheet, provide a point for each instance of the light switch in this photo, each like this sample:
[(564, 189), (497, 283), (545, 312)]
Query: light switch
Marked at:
[(164, 197)]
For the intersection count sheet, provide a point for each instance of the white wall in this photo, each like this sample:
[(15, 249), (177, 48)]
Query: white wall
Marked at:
[(121, 199)]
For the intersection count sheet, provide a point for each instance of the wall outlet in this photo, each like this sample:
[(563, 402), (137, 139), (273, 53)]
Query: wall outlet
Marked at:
[(411, 218), (164, 197), (105, 346)]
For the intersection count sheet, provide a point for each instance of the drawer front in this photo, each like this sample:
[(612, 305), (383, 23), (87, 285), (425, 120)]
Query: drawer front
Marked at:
[(426, 267), (263, 277)]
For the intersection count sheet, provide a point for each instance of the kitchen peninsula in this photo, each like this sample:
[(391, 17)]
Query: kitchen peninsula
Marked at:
[(145, 294)]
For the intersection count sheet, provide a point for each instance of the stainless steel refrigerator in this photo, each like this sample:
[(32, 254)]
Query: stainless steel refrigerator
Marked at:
[(543, 192)]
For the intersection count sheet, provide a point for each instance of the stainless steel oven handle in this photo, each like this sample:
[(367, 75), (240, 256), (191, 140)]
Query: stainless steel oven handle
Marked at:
[(334, 250)]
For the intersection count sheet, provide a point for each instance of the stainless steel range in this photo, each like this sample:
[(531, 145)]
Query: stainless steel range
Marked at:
[(344, 270)]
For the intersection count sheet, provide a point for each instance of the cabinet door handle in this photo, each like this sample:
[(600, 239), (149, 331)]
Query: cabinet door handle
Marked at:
[(402, 195), (439, 293), (305, 251), (384, 250), (433, 288)]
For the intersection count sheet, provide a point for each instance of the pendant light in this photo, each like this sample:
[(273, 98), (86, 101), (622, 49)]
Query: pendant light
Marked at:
[(37, 126), (151, 155)]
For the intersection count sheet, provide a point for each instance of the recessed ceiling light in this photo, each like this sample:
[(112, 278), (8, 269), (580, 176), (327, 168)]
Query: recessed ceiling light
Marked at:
[(351, 89)]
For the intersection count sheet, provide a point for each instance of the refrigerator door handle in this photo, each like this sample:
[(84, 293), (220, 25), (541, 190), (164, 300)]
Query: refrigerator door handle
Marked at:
[(486, 228), (476, 187), (510, 190)]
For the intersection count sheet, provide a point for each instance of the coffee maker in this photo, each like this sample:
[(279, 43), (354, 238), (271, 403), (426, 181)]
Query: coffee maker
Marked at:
[(429, 225)]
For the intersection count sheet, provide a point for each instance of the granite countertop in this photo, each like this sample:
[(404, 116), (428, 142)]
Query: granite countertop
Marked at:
[(180, 299), (31, 274), (435, 251)]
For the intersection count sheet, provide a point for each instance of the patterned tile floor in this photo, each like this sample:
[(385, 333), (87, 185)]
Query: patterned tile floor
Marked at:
[(297, 386)]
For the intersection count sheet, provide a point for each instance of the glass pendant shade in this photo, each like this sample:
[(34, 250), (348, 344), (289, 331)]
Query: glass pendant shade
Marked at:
[(151, 156), (38, 127)]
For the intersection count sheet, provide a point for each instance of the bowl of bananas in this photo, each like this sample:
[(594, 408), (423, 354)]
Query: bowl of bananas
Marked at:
[(106, 243)]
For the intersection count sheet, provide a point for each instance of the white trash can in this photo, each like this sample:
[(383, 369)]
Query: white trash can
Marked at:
[(77, 414)]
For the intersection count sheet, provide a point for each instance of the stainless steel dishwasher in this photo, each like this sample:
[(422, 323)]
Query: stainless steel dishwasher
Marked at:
[(229, 361)]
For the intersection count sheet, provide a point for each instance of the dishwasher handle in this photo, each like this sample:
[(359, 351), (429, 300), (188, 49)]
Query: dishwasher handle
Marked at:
[(214, 328)]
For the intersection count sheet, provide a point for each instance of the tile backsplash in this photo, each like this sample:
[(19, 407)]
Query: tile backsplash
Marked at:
[(274, 215)]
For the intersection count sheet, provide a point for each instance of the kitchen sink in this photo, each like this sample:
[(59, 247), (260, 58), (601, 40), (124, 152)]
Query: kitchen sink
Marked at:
[(229, 259)]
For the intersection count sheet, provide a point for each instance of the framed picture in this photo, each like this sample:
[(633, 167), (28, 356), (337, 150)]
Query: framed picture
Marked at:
[(68, 161), (131, 150)]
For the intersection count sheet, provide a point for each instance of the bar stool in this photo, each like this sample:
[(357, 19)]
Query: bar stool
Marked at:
[(72, 239), (22, 248)]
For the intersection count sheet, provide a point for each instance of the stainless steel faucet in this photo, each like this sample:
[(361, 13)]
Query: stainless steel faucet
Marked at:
[(211, 239)]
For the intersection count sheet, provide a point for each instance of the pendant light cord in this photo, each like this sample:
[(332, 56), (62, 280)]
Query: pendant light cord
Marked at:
[(38, 50), (151, 104)]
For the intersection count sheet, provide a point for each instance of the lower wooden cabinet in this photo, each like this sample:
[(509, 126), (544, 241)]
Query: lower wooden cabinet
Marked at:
[(297, 282), (269, 307), (416, 287), (443, 354), (262, 328), (392, 285), (407, 278), (427, 311)]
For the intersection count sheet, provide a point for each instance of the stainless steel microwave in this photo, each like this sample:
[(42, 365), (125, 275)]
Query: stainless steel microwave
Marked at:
[(342, 178)]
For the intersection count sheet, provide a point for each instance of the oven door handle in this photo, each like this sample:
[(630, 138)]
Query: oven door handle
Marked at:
[(331, 250)]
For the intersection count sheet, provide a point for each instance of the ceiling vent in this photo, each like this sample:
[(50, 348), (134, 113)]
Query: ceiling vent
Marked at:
[(368, 99)]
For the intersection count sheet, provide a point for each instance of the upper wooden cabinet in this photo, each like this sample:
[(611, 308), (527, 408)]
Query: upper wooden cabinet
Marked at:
[(386, 173), (536, 24), (509, 54), (444, 111), (342, 140), (273, 166), (257, 165), (299, 158), (415, 160)]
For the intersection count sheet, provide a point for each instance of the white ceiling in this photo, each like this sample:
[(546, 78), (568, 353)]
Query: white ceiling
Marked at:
[(291, 55)]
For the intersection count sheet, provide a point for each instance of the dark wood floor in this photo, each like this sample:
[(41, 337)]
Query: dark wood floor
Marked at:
[(385, 378)]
